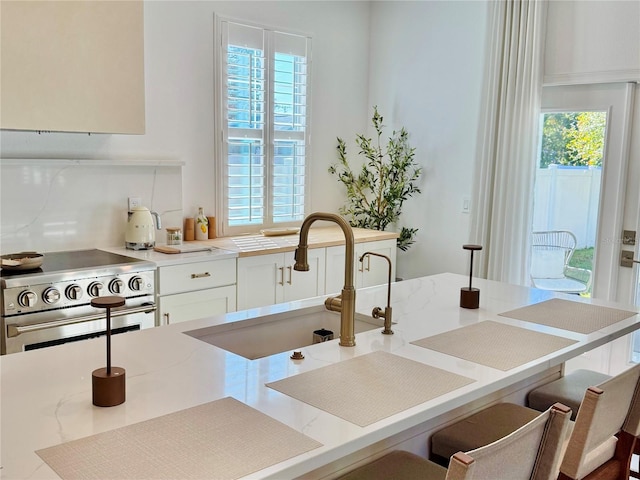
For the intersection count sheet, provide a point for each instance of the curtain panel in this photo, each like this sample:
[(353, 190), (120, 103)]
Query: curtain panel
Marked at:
[(508, 134)]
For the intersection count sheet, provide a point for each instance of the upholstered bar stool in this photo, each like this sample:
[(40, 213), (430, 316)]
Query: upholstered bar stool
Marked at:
[(398, 465), (593, 448), (567, 390), (479, 429), (570, 391), (604, 435), (531, 452)]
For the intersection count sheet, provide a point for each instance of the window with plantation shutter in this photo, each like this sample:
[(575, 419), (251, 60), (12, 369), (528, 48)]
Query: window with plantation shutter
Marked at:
[(262, 101)]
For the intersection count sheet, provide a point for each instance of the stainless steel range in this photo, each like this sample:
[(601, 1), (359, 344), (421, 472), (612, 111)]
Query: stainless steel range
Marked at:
[(51, 305)]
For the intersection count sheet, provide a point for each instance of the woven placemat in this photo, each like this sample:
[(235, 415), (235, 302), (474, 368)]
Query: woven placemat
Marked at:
[(494, 344), (366, 389), (224, 439), (576, 317)]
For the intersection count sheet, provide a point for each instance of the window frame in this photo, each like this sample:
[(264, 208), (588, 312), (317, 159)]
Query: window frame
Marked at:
[(268, 133)]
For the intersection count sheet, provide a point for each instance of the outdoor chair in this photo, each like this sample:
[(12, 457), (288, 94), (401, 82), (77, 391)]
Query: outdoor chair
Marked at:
[(532, 452), (550, 255)]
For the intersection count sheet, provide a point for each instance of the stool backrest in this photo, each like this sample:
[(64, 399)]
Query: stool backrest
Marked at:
[(632, 422), (604, 411), (534, 451)]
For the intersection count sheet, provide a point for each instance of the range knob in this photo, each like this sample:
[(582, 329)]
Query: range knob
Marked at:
[(73, 292), (51, 295), (27, 298), (116, 286), (94, 289), (136, 284)]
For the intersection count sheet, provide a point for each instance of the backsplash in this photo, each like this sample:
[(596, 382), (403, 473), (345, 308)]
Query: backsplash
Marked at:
[(53, 205)]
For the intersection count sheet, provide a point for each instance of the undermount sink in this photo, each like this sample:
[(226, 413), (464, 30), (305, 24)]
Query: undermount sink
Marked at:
[(279, 332)]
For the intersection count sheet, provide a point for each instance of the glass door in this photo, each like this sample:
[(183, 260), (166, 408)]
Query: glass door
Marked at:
[(583, 186)]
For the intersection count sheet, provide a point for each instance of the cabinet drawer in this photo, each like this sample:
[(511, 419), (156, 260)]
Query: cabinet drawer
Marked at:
[(192, 305), (196, 276)]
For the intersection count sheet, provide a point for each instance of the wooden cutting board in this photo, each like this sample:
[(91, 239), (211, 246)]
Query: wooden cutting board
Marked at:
[(181, 249)]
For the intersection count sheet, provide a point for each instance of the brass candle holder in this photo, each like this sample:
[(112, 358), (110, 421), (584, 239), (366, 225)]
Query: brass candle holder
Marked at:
[(108, 384), (469, 296)]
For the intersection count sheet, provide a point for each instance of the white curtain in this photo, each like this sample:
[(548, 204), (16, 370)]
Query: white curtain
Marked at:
[(504, 174)]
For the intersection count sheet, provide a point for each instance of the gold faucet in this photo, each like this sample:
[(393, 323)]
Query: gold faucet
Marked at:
[(377, 311), (345, 303)]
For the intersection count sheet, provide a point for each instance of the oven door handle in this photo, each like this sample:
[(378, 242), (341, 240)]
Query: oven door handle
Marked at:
[(15, 330)]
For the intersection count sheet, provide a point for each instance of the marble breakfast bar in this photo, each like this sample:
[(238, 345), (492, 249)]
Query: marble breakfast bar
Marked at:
[(46, 394)]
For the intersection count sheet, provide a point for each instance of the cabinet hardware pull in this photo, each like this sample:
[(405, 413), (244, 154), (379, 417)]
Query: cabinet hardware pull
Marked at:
[(290, 274), (166, 317), (362, 267), (281, 282), (200, 275)]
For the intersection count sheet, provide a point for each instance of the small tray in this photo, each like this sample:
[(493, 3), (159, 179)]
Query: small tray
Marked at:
[(173, 249), (22, 261), (276, 232)]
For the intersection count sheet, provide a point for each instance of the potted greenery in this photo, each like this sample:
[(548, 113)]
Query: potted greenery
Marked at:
[(387, 178)]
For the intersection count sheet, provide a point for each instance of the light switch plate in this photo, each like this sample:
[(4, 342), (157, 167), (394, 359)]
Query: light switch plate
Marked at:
[(466, 205)]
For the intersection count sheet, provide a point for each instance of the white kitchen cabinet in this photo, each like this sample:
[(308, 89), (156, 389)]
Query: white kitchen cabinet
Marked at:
[(372, 271), (199, 304), (196, 290), (270, 279)]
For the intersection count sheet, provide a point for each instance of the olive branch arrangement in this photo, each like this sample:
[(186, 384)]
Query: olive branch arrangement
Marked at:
[(388, 177)]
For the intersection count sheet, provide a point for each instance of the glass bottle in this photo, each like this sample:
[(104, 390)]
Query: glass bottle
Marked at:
[(202, 225)]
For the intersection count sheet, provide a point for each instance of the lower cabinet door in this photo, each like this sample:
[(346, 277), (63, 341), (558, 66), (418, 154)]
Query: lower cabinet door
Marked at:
[(261, 280), (199, 304), (269, 279), (299, 285)]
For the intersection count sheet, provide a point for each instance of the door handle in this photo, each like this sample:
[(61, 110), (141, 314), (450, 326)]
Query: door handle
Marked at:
[(290, 274)]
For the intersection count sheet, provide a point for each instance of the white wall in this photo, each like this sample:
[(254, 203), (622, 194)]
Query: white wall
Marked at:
[(179, 95), (427, 61), (53, 205), (592, 42), (426, 68)]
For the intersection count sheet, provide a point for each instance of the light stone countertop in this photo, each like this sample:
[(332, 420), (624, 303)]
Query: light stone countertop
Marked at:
[(251, 245), (319, 237), (166, 259), (46, 394)]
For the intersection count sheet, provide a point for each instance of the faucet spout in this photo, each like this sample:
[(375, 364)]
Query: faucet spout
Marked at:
[(387, 312), (345, 303)]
